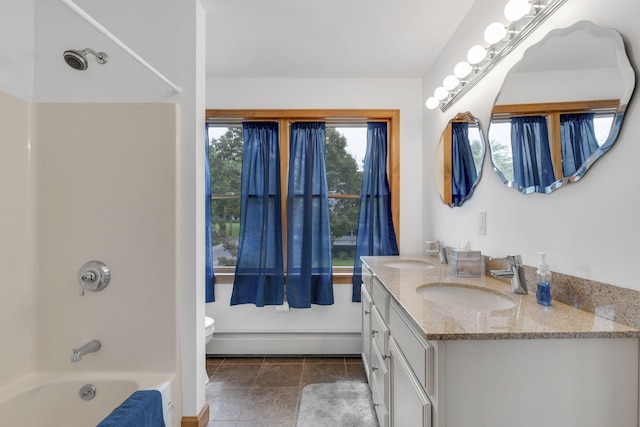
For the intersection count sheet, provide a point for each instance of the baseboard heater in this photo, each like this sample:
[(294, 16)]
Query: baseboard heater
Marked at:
[(285, 343)]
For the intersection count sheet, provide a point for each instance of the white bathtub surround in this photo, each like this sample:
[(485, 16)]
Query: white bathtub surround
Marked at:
[(57, 401)]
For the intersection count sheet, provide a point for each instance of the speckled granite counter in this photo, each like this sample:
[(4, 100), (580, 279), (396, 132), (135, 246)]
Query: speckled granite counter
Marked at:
[(526, 320)]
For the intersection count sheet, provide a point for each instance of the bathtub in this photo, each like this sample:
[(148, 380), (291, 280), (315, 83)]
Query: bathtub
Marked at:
[(53, 399)]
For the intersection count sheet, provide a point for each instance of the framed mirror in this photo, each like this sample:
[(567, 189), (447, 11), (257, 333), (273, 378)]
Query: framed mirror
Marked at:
[(459, 159), (560, 108)]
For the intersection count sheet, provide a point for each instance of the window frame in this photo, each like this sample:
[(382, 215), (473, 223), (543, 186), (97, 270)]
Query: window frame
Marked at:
[(341, 275)]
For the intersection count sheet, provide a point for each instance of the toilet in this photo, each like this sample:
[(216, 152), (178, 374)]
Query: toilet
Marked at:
[(208, 329), (208, 333)]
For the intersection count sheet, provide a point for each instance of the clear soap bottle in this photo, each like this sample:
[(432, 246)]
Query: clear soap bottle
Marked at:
[(543, 280)]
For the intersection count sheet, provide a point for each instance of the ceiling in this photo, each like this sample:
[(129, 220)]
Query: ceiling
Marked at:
[(328, 38)]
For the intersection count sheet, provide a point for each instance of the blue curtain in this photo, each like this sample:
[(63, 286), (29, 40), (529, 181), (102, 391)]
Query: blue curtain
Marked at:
[(376, 234), (209, 278), (259, 277), (532, 166), (309, 271), (463, 166), (578, 139)]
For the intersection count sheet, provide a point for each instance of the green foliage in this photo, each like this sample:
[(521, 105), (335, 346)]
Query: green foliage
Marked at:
[(343, 177), (503, 159), (476, 152), (225, 164)]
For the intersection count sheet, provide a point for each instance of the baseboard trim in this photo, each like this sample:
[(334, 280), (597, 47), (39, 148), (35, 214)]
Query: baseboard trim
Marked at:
[(285, 343), (200, 421)]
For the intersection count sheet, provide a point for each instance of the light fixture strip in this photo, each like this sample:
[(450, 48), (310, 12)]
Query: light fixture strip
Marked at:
[(539, 18)]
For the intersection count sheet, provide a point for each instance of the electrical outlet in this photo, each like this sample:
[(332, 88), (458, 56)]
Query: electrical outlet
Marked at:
[(481, 218)]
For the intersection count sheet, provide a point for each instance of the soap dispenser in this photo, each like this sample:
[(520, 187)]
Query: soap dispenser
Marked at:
[(543, 280)]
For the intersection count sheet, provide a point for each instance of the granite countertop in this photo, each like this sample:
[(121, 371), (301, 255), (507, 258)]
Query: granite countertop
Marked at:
[(526, 320)]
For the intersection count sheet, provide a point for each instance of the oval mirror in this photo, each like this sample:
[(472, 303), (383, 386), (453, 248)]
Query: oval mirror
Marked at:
[(459, 159), (560, 108)]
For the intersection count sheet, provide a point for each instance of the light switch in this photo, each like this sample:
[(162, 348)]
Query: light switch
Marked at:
[(481, 218)]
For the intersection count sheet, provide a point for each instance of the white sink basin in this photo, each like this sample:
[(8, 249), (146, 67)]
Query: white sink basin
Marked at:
[(466, 296), (409, 264)]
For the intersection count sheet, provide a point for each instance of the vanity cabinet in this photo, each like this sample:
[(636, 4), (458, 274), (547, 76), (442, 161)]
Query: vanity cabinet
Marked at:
[(375, 343), (399, 397), (524, 382)]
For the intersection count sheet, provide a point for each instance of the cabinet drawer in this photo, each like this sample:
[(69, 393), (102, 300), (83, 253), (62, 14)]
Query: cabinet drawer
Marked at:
[(380, 371), (382, 410), (380, 297), (379, 332), (419, 354)]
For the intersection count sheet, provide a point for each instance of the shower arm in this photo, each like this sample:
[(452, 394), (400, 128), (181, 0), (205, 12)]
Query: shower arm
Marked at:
[(101, 29)]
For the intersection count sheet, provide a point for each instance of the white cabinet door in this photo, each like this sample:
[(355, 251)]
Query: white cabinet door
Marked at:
[(366, 330), (410, 406)]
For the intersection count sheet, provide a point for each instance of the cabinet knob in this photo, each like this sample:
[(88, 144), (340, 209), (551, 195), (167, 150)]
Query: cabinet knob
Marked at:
[(366, 312), (374, 368), (373, 333)]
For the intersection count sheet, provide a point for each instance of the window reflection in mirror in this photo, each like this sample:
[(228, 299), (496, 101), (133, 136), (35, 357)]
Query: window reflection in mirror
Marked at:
[(575, 84), (459, 157)]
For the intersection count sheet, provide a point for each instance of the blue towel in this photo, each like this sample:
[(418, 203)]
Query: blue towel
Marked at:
[(142, 409)]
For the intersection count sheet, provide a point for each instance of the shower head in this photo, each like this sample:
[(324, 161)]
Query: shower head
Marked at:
[(77, 59)]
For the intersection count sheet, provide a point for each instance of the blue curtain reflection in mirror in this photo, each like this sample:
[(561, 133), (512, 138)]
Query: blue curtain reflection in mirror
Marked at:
[(532, 166), (458, 159), (578, 138), (464, 172)]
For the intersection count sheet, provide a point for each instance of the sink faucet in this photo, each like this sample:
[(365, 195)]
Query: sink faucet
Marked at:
[(441, 250), (90, 347), (514, 271)]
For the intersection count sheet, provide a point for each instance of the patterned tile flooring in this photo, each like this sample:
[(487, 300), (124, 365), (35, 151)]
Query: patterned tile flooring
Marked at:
[(266, 391)]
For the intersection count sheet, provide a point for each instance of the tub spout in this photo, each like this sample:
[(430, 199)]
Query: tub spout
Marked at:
[(90, 347)]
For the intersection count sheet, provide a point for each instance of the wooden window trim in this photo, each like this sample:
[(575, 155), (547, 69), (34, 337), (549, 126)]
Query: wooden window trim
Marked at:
[(338, 117)]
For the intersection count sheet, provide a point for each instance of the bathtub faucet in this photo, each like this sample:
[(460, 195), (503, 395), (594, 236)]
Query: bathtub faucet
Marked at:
[(90, 347)]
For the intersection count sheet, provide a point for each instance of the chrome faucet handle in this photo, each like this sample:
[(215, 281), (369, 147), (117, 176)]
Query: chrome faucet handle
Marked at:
[(512, 260), (435, 244)]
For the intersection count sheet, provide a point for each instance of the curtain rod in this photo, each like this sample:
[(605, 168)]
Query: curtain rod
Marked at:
[(101, 29)]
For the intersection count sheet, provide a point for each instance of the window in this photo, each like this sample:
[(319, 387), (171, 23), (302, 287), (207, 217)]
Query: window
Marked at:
[(346, 139), (500, 129)]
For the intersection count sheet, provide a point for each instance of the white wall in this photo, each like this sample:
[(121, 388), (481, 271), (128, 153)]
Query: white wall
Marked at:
[(588, 229), (17, 48), (18, 292), (402, 94)]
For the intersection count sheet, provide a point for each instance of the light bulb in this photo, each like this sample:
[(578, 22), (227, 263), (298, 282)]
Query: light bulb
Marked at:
[(462, 69), (476, 54), (432, 103), (440, 93), (516, 9), (495, 32), (450, 82)]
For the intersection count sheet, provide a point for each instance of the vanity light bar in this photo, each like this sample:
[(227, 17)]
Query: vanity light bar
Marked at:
[(481, 59)]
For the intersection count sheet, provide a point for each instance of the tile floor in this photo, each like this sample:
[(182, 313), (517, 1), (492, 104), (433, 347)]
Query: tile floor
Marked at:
[(265, 391)]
